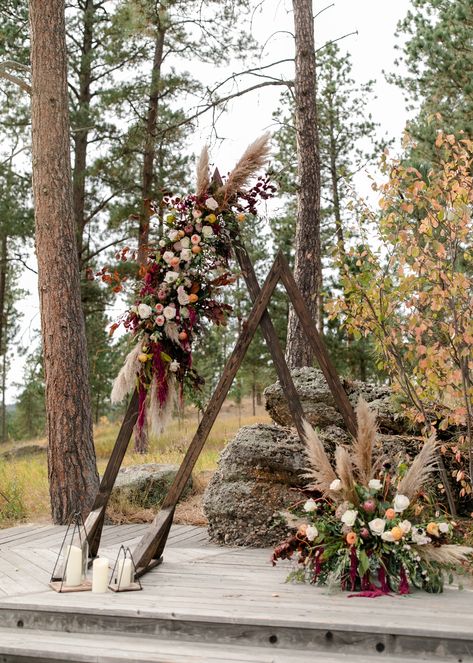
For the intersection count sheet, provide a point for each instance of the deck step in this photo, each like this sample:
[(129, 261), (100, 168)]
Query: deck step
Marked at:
[(48, 646)]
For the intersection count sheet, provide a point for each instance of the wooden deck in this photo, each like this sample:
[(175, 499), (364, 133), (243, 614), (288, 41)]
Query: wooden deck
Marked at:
[(206, 603)]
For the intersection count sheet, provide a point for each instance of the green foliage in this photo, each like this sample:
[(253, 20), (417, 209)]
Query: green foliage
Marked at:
[(347, 142), (413, 294), (435, 38)]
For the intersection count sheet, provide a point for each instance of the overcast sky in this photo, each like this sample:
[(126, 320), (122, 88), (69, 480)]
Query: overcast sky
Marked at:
[(372, 51)]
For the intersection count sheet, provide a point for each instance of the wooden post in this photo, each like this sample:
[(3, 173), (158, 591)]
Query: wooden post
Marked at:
[(95, 519), (152, 544), (318, 347)]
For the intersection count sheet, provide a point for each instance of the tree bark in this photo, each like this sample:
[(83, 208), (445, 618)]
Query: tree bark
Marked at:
[(3, 328), (81, 135), (307, 267), (73, 477), (150, 145), (149, 156)]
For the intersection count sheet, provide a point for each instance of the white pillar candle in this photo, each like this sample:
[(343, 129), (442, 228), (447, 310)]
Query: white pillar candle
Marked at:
[(100, 575), (73, 566), (124, 573)]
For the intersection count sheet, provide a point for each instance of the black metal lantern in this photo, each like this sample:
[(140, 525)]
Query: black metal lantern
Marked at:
[(70, 570), (123, 578)]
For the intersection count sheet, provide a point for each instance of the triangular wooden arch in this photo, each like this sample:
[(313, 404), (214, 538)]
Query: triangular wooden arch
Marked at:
[(149, 551)]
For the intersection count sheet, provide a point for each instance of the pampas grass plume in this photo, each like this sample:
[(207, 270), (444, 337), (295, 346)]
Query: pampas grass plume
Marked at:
[(253, 159), (202, 173), (320, 470), (418, 473), (125, 380)]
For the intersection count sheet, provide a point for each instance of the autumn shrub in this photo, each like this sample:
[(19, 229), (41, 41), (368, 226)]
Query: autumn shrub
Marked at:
[(413, 294)]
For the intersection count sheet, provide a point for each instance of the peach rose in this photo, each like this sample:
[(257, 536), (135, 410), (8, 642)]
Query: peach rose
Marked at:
[(397, 533), (432, 529), (193, 298), (390, 514)]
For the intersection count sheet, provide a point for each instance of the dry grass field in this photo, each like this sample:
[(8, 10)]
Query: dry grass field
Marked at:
[(24, 495)]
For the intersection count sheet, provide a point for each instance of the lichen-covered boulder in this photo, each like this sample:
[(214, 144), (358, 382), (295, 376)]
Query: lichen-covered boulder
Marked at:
[(319, 405), (144, 485), (258, 475)]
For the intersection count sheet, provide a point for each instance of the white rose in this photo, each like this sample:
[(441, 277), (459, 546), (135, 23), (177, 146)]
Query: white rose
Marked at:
[(349, 517), (169, 312), (207, 231), (173, 366), (185, 242), (173, 235), (171, 277), (444, 528), (374, 484), (211, 204), (405, 526), (168, 256), (400, 503), (177, 246), (387, 536), (311, 532), (377, 526), (144, 311), (310, 505), (186, 255), (184, 312), (336, 484), (162, 243)]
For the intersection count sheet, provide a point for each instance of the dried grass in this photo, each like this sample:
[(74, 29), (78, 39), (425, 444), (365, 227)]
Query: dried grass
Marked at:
[(422, 466), (126, 379), (344, 470), (320, 470), (364, 443), (445, 554), (202, 173), (252, 160)]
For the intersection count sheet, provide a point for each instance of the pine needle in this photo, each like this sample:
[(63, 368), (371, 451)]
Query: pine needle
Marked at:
[(254, 158), (344, 470), (320, 470), (202, 173), (421, 468), (364, 443)]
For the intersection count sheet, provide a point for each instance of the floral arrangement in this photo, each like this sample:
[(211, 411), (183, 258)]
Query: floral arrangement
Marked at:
[(372, 529), (182, 281)]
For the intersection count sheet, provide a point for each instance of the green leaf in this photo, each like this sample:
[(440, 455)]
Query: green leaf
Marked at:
[(364, 562)]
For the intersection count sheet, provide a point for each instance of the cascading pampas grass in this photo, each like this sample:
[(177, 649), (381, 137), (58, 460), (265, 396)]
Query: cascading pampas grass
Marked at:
[(126, 379), (418, 473), (320, 471), (254, 157), (160, 415), (364, 444), (202, 173)]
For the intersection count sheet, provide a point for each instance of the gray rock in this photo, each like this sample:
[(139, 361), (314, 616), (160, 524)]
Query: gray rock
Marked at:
[(260, 474), (25, 450), (319, 405), (144, 485)]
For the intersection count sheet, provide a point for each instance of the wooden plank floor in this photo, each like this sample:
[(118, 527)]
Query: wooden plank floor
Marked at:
[(214, 595)]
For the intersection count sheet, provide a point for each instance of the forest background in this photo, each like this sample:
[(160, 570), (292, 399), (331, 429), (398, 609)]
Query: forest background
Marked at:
[(108, 113)]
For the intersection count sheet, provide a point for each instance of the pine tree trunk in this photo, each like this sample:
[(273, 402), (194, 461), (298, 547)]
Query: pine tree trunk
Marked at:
[(73, 476), (81, 135), (150, 145), (307, 267)]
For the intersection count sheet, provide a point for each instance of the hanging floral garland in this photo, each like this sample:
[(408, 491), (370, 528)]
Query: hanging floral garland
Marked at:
[(182, 281)]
